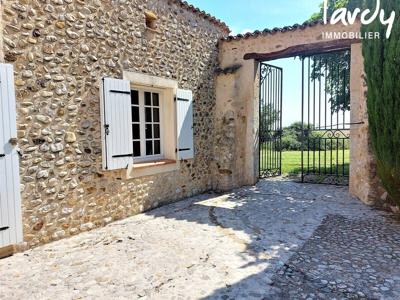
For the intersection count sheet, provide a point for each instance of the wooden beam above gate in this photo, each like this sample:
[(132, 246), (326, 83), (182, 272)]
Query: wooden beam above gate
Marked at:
[(305, 49)]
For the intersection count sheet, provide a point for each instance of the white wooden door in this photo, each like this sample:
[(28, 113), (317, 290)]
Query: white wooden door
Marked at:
[(10, 199)]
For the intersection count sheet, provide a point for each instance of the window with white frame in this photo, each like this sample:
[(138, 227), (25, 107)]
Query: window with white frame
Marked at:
[(146, 124), (143, 122)]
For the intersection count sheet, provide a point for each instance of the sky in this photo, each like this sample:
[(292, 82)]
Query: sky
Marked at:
[(249, 15)]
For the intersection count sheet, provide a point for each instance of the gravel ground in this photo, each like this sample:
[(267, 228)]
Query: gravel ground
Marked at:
[(277, 240)]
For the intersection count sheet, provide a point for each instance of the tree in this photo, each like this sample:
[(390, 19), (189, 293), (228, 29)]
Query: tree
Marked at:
[(268, 121), (382, 65), (314, 140), (291, 137), (335, 66), (335, 4)]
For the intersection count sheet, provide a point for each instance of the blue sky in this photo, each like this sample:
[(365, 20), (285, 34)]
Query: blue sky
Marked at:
[(243, 16)]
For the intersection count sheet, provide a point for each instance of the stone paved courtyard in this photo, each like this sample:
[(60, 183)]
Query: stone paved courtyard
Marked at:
[(278, 240)]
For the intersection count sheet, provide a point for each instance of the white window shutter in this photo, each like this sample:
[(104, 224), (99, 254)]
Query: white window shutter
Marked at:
[(10, 198), (116, 122), (184, 108)]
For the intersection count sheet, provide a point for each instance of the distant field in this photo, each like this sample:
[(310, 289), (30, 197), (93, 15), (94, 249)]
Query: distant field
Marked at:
[(291, 161)]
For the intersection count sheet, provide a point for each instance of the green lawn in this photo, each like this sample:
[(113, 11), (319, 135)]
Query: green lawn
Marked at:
[(291, 162)]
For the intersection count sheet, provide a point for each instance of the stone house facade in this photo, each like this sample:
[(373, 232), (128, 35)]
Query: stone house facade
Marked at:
[(60, 51)]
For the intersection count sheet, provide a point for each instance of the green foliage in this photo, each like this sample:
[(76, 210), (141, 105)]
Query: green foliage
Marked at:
[(335, 66), (332, 6), (319, 140), (291, 161), (382, 65), (336, 4), (292, 137), (268, 115), (268, 119)]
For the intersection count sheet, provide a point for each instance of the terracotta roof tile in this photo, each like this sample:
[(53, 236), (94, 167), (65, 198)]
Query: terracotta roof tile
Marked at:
[(272, 31)]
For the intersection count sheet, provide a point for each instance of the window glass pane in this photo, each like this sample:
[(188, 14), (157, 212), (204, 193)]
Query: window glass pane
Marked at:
[(156, 115), (157, 147), (136, 131), (151, 123), (155, 99), (149, 148), (156, 131), (136, 149), (147, 98), (135, 114), (135, 97), (149, 131), (148, 114)]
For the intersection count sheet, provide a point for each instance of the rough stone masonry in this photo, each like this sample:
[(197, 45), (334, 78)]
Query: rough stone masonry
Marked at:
[(60, 50)]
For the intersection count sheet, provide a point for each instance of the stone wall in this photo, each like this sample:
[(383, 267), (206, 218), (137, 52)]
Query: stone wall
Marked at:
[(1, 32), (364, 181), (60, 50), (236, 93)]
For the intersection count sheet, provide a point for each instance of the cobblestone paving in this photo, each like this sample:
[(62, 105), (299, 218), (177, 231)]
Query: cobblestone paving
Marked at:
[(344, 259), (278, 240)]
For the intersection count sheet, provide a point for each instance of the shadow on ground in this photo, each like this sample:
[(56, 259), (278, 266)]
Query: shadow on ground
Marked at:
[(276, 240), (308, 241)]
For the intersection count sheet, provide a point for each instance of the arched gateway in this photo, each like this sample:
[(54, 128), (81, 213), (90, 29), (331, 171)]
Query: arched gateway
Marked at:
[(238, 100)]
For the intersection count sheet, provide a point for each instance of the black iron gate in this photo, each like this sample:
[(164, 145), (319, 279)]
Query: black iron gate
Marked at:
[(270, 121), (325, 156)]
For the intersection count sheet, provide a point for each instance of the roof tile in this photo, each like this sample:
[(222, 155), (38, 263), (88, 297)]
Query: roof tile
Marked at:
[(273, 31)]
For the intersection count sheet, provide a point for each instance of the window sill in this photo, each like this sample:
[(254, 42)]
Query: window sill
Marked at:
[(154, 163), (149, 168)]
